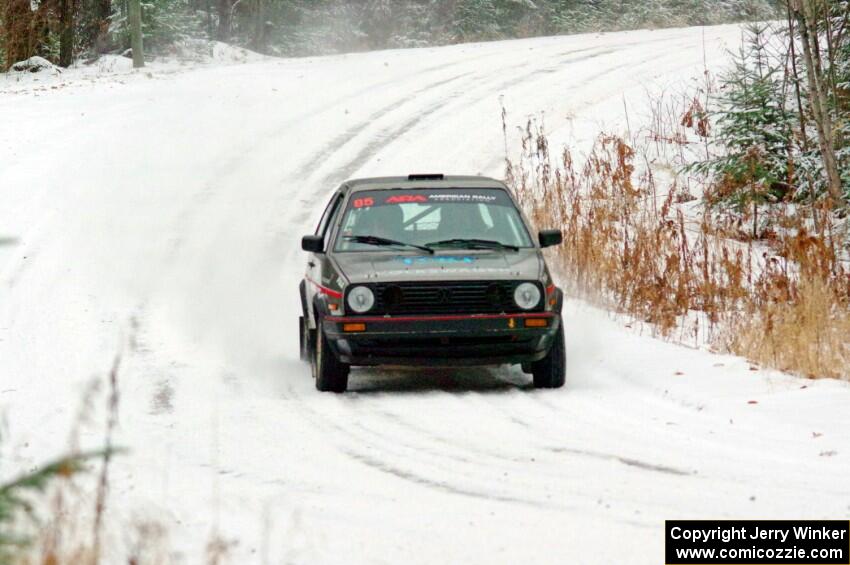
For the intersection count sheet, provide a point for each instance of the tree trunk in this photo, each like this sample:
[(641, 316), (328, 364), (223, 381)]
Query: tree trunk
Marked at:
[(258, 42), (209, 19), (224, 20), (66, 33), (803, 11), (801, 114), (104, 12), (134, 15)]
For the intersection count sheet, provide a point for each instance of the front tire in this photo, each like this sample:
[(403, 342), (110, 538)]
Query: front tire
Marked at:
[(331, 375), (551, 371)]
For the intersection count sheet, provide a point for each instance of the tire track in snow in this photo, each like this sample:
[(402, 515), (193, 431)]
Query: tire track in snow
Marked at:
[(374, 447), (388, 135), (352, 445), (391, 134), (237, 160), (624, 460), (388, 468), (340, 140), (309, 203), (475, 477), (530, 448)]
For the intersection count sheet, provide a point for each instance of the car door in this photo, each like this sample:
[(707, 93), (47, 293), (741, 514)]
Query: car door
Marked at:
[(316, 262)]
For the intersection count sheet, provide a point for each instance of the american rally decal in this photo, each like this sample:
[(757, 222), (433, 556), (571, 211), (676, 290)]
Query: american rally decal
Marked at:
[(435, 259), (375, 198)]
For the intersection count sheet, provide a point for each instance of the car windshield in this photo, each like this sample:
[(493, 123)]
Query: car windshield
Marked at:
[(431, 218)]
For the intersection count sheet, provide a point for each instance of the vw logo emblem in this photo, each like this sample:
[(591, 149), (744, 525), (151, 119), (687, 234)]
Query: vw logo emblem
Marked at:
[(444, 296)]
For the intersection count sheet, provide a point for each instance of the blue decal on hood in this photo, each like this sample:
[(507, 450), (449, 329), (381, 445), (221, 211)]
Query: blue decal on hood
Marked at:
[(438, 259)]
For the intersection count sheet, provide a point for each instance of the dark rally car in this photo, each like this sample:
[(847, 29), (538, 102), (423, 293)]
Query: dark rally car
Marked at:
[(428, 270)]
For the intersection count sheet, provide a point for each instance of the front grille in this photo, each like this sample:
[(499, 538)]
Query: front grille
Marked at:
[(440, 297)]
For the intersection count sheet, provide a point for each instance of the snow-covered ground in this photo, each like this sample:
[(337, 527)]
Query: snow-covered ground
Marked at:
[(160, 213)]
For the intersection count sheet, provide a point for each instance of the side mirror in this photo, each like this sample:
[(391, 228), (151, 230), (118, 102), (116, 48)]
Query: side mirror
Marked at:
[(548, 238), (313, 243)]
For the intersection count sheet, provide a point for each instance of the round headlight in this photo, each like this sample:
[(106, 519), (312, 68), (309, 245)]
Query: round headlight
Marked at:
[(361, 299), (527, 296)]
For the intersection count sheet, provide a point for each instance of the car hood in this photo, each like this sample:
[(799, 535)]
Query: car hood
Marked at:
[(366, 267)]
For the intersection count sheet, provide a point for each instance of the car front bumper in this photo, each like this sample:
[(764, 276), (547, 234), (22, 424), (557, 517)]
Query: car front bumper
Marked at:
[(454, 340)]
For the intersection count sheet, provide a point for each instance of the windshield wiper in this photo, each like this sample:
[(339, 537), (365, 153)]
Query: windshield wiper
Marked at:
[(384, 242), (472, 244)]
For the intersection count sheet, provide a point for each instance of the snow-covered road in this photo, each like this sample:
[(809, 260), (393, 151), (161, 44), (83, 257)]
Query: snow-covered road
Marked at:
[(160, 214)]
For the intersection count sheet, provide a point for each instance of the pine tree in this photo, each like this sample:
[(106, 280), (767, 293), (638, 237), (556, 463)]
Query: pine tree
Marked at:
[(754, 127), (15, 504), (476, 19)]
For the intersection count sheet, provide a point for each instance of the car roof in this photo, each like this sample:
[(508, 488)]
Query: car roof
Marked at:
[(421, 181)]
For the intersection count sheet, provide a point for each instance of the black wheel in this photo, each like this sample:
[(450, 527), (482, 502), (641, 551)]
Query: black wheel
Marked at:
[(551, 371), (331, 375), (305, 339)]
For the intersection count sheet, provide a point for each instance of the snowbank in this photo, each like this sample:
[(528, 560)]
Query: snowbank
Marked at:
[(38, 74), (34, 64)]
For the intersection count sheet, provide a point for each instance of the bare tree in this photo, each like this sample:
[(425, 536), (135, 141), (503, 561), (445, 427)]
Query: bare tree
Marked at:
[(134, 15), (807, 13), (225, 20), (66, 33), (103, 13), (259, 39)]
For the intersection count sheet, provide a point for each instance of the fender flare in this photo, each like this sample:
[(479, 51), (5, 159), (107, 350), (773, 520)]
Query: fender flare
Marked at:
[(302, 291), (320, 306), (315, 310), (312, 311), (559, 297)]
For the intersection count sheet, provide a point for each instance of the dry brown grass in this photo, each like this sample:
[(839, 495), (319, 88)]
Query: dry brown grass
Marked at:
[(797, 317), (807, 335), (782, 301)]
